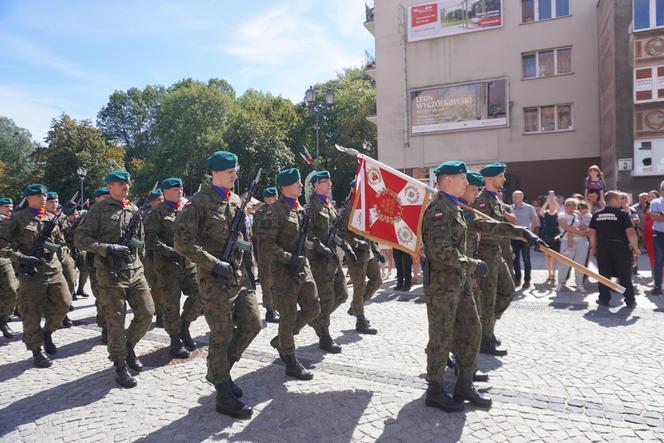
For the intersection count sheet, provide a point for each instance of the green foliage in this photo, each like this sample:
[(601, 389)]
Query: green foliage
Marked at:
[(73, 144), (16, 165)]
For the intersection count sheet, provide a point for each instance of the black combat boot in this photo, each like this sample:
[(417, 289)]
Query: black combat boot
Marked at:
[(40, 359), (104, 335), (295, 369), (451, 362), (275, 344), (235, 389), (464, 390), (4, 327), (228, 404), (122, 375), (66, 322), (176, 350), (49, 346), (271, 316), (437, 398), (326, 343), (488, 346), (496, 340), (132, 361), (363, 326), (160, 320), (81, 293), (350, 312), (185, 336), (480, 376)]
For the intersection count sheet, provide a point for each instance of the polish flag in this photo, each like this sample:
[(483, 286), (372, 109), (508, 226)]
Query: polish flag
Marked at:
[(306, 156)]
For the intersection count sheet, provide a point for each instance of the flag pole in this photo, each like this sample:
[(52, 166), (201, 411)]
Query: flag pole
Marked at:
[(547, 251)]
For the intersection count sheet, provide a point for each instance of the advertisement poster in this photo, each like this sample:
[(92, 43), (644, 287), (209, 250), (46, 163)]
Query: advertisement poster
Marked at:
[(449, 17), (460, 106)]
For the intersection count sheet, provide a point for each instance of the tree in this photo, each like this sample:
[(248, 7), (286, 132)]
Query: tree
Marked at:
[(16, 165), (128, 119), (73, 144)]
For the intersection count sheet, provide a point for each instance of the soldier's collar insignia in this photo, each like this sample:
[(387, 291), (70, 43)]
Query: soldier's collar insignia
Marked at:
[(483, 205), (438, 215)]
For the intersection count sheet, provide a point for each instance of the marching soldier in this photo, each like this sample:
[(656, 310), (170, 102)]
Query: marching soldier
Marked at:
[(8, 283), (64, 254), (174, 273), (42, 286), (229, 303), (119, 274), (100, 195), (452, 314), (325, 265), (74, 218), (293, 283), (478, 227), (364, 272), (154, 199), (270, 195), (497, 288)]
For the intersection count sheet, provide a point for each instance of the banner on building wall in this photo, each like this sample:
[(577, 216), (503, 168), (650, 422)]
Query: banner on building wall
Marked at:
[(443, 18), (457, 107)]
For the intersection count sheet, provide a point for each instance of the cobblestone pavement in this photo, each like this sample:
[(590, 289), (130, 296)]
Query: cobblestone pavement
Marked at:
[(574, 372)]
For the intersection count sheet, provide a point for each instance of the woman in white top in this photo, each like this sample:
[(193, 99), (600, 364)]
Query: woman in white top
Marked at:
[(573, 244)]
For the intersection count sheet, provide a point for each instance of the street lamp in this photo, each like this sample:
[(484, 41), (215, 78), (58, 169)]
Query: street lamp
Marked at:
[(82, 172), (318, 109)]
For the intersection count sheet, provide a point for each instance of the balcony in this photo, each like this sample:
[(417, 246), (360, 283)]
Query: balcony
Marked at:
[(370, 63), (369, 16)]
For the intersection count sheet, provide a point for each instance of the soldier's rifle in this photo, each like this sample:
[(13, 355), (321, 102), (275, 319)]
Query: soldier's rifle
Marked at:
[(42, 246), (332, 239), (234, 242), (305, 227)]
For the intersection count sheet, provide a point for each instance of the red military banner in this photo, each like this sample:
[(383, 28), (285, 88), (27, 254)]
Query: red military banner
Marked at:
[(388, 205)]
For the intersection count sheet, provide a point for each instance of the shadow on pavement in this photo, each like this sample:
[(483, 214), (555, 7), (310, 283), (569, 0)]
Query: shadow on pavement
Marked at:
[(74, 394), (416, 419), (300, 416), (603, 317), (12, 370)]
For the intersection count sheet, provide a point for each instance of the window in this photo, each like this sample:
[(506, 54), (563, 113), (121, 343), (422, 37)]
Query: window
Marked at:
[(536, 10), (649, 84), (547, 63), (648, 14), (548, 118), (648, 157)]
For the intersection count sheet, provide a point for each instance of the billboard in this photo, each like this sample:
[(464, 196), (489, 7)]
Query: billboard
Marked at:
[(460, 106), (449, 17)]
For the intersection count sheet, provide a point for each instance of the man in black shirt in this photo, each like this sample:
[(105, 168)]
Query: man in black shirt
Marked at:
[(613, 241)]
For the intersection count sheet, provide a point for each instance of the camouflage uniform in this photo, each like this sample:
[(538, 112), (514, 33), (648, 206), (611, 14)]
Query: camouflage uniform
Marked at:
[(8, 283), (65, 257), (151, 276), (279, 235), (92, 272), (327, 273), (79, 256), (46, 291), (497, 288), (104, 225), (451, 308), (175, 274), (506, 245), (262, 259), (201, 231), (365, 267)]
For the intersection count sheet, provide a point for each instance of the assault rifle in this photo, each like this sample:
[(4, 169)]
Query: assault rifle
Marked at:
[(332, 234), (42, 244), (305, 226), (234, 243), (128, 238)]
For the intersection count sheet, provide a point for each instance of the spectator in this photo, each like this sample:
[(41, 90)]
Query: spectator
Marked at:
[(626, 201), (657, 214), (387, 252), (404, 265), (648, 232), (593, 199), (595, 182), (613, 242), (549, 231), (537, 204), (574, 244), (526, 216), (640, 206)]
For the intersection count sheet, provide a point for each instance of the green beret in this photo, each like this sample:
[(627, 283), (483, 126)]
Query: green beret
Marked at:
[(288, 177), (475, 178), (51, 195), (155, 194), (221, 160), (173, 182), (451, 167), (6, 201), (320, 175), (35, 189), (493, 169), (102, 191), (117, 176), (270, 192)]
